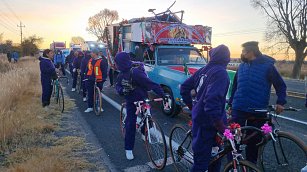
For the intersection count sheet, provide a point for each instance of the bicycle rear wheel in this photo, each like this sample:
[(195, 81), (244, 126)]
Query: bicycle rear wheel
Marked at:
[(122, 120), (287, 154), (241, 166), (97, 101), (60, 99), (180, 143), (155, 143)]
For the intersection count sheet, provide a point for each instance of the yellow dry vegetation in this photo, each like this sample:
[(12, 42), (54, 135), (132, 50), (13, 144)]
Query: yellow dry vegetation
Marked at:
[(27, 142)]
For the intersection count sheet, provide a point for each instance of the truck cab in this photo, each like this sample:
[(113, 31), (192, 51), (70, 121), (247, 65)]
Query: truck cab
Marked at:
[(170, 66)]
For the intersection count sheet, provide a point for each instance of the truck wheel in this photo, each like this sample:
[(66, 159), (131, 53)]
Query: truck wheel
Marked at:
[(174, 108)]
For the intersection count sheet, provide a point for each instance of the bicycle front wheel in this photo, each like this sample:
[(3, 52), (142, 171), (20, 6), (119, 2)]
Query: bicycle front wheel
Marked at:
[(180, 142), (287, 154), (60, 99), (155, 143), (122, 120), (97, 101), (241, 166)]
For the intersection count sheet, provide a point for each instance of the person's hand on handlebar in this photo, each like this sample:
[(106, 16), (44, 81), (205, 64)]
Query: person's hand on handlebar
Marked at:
[(279, 108)]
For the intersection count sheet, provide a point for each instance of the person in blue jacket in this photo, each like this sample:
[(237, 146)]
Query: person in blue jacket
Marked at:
[(84, 62), (76, 69), (252, 89), (208, 112), (133, 84), (48, 73), (96, 71), (15, 56), (59, 61)]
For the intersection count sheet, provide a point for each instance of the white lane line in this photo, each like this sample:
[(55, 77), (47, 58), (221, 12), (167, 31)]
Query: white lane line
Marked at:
[(293, 120)]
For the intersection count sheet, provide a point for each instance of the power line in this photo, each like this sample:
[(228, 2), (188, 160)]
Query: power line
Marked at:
[(240, 32), (8, 6), (4, 24), (7, 27), (7, 18)]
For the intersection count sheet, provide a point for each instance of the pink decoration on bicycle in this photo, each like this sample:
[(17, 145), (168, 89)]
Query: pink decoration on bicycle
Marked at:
[(266, 128), (146, 106), (228, 134)]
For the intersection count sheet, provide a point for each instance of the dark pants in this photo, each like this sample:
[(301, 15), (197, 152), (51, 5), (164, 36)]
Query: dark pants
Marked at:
[(47, 91), (241, 117), (111, 75), (75, 78), (83, 85), (202, 143), (90, 91), (71, 67), (130, 125), (62, 68)]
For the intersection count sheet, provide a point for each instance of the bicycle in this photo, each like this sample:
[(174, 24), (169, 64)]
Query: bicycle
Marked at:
[(290, 152), (58, 92), (154, 136), (180, 142)]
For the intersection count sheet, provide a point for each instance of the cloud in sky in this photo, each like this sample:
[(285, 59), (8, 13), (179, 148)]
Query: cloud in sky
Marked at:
[(59, 20)]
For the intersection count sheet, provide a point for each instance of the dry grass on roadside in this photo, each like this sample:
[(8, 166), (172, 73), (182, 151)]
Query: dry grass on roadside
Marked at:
[(26, 139)]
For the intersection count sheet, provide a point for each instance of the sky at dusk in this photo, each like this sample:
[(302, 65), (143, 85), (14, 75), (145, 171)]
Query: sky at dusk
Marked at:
[(233, 22)]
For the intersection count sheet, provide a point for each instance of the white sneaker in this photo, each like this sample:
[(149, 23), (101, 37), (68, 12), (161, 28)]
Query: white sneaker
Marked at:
[(46, 108), (129, 155), (88, 110), (73, 89), (143, 137), (84, 99)]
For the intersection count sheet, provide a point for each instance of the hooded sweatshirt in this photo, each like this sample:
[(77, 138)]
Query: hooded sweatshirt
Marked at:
[(211, 85), (139, 78), (47, 69)]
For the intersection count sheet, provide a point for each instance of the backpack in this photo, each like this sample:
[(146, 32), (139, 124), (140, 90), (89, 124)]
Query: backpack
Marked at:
[(128, 84)]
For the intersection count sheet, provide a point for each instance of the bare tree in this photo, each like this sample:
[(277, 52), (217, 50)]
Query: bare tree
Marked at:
[(30, 45), (98, 22), (287, 26), (77, 40)]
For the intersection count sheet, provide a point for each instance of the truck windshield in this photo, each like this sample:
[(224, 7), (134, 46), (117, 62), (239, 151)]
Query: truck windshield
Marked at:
[(179, 56)]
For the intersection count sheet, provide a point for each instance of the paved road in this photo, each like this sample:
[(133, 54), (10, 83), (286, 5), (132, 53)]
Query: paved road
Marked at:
[(106, 129), (295, 85)]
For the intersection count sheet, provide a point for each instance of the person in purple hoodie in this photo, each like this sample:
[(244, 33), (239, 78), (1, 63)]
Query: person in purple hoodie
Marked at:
[(48, 73), (76, 67), (133, 84), (84, 62), (208, 112)]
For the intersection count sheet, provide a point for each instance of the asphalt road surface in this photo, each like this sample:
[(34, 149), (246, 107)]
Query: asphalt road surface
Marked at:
[(106, 128)]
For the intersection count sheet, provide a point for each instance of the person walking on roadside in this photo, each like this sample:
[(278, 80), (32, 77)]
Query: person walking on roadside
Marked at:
[(76, 69), (252, 89), (211, 84), (96, 71), (84, 62), (133, 84), (48, 73), (59, 61), (9, 56)]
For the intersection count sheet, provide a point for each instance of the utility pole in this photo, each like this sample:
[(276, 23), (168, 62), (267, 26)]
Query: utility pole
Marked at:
[(21, 26)]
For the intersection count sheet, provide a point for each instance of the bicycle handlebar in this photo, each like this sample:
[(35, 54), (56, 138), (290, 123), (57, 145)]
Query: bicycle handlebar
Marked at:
[(272, 108)]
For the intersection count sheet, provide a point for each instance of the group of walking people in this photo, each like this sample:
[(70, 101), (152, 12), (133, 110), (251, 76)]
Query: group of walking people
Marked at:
[(251, 88)]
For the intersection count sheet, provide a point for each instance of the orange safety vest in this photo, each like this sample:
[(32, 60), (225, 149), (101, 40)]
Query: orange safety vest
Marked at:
[(96, 68)]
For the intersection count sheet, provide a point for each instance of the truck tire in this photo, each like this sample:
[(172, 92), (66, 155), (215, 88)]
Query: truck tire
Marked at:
[(175, 109)]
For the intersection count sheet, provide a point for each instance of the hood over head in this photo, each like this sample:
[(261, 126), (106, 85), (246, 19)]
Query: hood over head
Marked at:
[(123, 61), (219, 55)]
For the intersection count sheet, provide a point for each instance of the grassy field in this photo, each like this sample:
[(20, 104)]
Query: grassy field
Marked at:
[(285, 69), (27, 139)]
